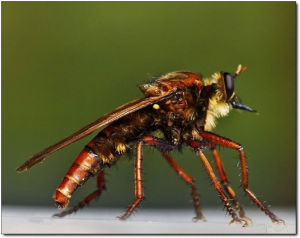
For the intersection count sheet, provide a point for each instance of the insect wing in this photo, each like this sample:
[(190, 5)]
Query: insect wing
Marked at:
[(118, 113)]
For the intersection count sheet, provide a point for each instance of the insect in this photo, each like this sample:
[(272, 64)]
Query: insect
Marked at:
[(183, 108)]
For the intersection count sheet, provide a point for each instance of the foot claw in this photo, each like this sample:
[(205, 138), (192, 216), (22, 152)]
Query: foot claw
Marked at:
[(278, 221), (247, 221), (122, 218), (59, 215), (239, 221), (201, 218)]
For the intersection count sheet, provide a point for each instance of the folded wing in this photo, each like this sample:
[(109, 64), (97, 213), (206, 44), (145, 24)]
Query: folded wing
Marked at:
[(118, 113)]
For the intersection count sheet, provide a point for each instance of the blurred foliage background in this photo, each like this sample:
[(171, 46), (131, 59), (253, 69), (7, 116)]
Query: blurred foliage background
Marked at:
[(64, 64)]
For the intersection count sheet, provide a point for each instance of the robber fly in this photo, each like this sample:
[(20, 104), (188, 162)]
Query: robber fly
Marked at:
[(183, 107)]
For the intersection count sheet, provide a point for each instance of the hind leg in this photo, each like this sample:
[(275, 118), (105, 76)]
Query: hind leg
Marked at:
[(88, 199)]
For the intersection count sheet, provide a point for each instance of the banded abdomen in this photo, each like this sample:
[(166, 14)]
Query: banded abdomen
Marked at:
[(103, 151)]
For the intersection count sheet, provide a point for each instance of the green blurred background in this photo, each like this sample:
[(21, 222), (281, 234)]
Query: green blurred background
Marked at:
[(64, 64)]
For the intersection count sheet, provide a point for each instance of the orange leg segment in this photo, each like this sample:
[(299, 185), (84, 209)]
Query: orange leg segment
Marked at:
[(213, 138), (137, 181), (162, 146), (228, 188), (190, 181), (88, 199), (218, 187)]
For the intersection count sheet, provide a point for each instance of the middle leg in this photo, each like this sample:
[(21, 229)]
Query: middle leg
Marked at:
[(187, 178), (137, 182), (151, 141), (164, 146)]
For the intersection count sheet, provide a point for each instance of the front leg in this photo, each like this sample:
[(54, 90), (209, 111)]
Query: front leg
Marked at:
[(189, 180), (227, 187), (198, 148), (219, 140)]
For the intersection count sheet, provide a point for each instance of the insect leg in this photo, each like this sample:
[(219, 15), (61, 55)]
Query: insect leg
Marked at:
[(227, 187), (236, 146), (88, 199), (137, 181), (187, 178), (151, 141), (197, 147)]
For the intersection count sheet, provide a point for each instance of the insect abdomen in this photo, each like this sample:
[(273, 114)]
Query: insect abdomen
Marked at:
[(102, 151), (82, 168)]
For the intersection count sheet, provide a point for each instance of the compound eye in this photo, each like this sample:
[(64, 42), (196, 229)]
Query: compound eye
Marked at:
[(229, 84)]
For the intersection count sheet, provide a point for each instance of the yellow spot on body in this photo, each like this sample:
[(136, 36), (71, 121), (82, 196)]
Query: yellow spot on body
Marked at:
[(120, 148), (106, 159), (196, 135), (156, 106)]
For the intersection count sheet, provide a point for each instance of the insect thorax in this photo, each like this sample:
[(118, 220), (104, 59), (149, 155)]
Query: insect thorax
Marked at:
[(175, 119)]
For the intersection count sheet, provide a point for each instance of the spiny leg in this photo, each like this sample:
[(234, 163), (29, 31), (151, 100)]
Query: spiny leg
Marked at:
[(228, 188), (233, 145), (218, 187), (163, 146), (197, 147), (151, 141), (137, 181), (190, 181), (88, 199)]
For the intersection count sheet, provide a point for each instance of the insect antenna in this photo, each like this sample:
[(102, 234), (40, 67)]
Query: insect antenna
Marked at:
[(240, 69)]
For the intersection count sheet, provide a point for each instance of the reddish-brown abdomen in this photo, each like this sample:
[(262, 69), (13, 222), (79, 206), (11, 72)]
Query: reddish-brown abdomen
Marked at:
[(76, 175), (61, 201)]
